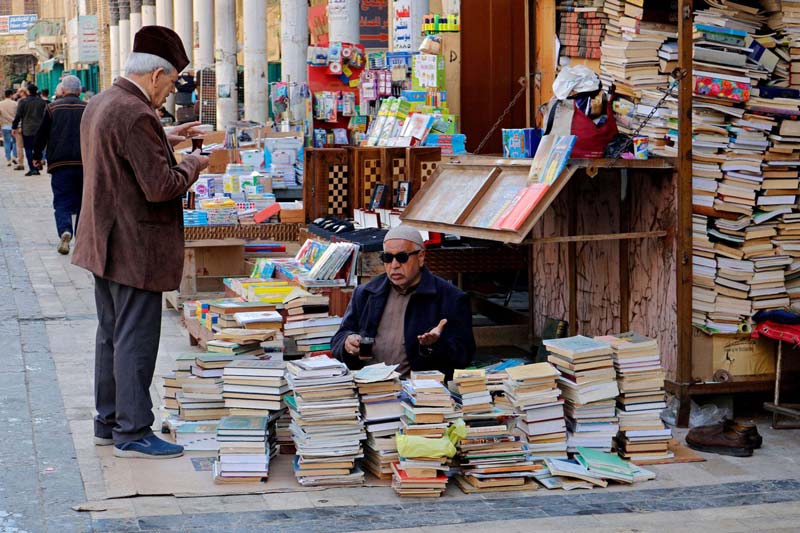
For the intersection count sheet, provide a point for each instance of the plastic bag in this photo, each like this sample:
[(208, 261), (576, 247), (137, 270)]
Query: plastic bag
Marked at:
[(431, 44), (578, 79), (707, 415), (411, 446)]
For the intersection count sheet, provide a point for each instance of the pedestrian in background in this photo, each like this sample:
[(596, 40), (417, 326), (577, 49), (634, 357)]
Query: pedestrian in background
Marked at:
[(8, 110), (45, 94), (131, 235), (30, 113), (60, 134)]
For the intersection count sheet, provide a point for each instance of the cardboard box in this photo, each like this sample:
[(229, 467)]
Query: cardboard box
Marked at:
[(293, 216), (740, 355)]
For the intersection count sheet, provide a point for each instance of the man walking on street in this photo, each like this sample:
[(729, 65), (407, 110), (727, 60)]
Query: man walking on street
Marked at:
[(60, 134), (8, 110), (131, 235), (30, 113)]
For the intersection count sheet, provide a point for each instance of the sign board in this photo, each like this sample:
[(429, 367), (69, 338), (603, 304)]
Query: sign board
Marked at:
[(19, 23), (374, 23), (83, 40), (401, 26)]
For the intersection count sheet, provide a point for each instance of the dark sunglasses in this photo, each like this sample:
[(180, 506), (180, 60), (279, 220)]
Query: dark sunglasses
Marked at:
[(401, 257)]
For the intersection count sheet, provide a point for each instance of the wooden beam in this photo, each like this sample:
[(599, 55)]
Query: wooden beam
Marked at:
[(572, 259), (601, 237), (684, 194), (544, 51), (624, 259)]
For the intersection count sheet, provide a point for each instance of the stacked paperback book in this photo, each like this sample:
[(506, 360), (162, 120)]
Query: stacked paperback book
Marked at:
[(244, 449), (326, 422), (642, 434), (254, 387), (427, 411), (308, 323), (582, 26), (588, 384), (491, 455), (536, 398), (379, 391)]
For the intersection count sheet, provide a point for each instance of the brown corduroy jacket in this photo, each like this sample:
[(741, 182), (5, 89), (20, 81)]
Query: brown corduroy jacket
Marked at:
[(131, 225)]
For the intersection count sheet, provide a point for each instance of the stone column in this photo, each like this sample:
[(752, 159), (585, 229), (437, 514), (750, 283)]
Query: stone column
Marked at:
[(148, 12), (343, 18), (136, 18), (183, 26), (113, 37), (294, 41), (255, 60), (204, 33), (124, 33), (164, 15), (225, 53)]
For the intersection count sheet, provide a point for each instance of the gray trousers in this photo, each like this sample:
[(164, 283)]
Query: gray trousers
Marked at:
[(128, 332)]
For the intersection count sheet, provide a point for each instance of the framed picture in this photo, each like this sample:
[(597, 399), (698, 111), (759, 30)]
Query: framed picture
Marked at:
[(402, 193), (376, 200)]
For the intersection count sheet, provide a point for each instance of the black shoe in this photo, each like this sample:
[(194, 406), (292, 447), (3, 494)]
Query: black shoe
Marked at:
[(29, 173), (35, 173)]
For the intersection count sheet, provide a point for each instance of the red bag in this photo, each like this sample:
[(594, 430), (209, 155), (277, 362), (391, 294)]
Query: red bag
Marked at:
[(564, 118)]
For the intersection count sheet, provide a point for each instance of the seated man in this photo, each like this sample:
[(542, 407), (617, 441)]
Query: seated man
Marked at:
[(417, 320)]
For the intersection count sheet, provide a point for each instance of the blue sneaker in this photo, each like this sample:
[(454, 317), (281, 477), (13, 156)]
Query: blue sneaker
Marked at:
[(148, 448)]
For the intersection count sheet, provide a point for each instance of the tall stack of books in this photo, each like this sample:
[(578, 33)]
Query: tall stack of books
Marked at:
[(254, 387), (379, 391), (533, 392), (427, 411), (491, 456), (326, 423), (589, 386), (637, 361), (244, 450), (582, 27)]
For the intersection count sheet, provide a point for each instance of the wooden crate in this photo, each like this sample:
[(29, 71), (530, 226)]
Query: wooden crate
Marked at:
[(207, 262), (327, 188)]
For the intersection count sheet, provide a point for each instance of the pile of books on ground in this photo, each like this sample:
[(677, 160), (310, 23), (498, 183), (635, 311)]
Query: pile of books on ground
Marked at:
[(308, 324), (591, 468), (428, 410), (254, 387), (326, 422), (196, 436), (245, 447), (581, 27), (491, 456), (589, 387), (533, 392), (642, 434), (379, 391)]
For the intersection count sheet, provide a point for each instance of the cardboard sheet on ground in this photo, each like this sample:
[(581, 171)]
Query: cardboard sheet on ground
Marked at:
[(683, 454), (190, 476)]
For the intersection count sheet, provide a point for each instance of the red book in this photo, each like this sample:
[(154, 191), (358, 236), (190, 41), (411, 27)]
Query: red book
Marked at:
[(267, 213), (516, 213)]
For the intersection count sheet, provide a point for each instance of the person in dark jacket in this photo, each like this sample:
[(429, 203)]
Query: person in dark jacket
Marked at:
[(30, 113), (415, 319), (60, 134)]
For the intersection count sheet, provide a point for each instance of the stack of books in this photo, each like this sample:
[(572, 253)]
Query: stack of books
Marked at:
[(244, 450), (536, 398), (313, 335), (252, 348), (428, 409), (470, 390), (260, 320), (637, 360), (588, 383), (326, 423), (379, 391), (254, 387), (582, 27)]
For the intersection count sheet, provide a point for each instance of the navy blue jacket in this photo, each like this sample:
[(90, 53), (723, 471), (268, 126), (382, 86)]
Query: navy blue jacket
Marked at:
[(433, 300)]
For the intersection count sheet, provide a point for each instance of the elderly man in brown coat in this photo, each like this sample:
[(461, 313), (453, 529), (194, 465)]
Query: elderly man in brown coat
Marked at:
[(131, 235)]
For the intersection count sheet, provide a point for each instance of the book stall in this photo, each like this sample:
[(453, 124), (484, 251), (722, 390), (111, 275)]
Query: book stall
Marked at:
[(654, 254)]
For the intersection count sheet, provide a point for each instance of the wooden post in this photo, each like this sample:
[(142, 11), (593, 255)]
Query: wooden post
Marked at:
[(572, 258), (544, 58), (624, 259)]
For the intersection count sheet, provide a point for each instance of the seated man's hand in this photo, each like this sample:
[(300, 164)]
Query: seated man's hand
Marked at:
[(352, 344), (430, 338), (37, 164)]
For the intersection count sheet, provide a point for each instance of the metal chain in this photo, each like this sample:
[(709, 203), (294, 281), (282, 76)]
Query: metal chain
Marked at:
[(504, 114)]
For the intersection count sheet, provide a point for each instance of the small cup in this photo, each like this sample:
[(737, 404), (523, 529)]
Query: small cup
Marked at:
[(365, 349), (197, 143)]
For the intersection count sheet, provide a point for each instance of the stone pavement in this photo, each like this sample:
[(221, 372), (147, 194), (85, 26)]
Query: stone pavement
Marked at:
[(48, 464)]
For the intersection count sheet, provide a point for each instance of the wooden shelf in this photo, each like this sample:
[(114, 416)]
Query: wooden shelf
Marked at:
[(601, 237), (739, 384)]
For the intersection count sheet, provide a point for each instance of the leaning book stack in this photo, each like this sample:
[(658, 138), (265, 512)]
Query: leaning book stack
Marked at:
[(326, 423), (427, 412), (536, 398), (642, 434), (244, 450), (379, 391), (588, 384)]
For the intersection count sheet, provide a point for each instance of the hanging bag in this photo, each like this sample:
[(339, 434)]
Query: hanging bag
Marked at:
[(565, 118)]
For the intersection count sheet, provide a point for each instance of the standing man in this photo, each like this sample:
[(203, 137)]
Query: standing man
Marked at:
[(131, 235), (30, 112), (60, 134), (8, 110)]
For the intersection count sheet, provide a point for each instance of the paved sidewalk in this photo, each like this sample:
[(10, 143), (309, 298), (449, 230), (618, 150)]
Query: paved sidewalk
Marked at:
[(48, 463)]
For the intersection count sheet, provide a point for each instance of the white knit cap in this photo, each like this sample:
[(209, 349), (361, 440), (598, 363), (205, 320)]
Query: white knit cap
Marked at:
[(406, 233)]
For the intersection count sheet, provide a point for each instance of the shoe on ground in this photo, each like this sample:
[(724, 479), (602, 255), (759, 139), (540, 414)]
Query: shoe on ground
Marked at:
[(19, 167), (148, 448), (34, 173), (715, 439), (63, 245), (747, 429), (29, 173), (8, 163), (102, 441)]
